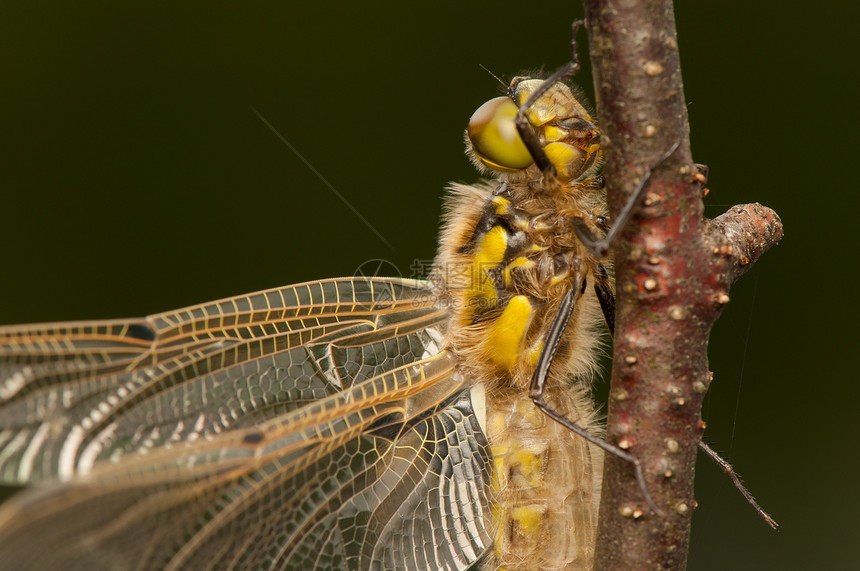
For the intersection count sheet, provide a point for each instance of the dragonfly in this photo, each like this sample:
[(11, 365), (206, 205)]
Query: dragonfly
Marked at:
[(351, 423)]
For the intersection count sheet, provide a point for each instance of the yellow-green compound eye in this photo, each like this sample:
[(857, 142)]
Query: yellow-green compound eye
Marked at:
[(494, 136)]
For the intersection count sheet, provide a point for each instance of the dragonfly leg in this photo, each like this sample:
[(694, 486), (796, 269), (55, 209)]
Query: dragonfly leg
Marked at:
[(701, 177), (600, 247), (539, 384), (525, 129), (606, 297), (730, 472)]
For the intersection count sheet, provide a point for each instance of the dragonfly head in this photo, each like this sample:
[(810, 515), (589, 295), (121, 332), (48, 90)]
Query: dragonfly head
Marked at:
[(566, 131)]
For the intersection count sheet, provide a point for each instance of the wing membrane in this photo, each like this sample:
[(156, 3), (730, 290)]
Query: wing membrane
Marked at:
[(312, 426), (71, 394), (346, 482)]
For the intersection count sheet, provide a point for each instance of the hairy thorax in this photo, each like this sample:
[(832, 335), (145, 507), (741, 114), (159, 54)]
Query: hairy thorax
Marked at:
[(508, 257)]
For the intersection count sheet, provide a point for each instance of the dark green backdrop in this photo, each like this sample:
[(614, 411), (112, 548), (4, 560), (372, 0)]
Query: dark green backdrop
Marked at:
[(135, 177)]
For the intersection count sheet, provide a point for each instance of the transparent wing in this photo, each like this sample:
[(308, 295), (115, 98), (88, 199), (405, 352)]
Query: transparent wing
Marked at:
[(314, 426), (74, 393)]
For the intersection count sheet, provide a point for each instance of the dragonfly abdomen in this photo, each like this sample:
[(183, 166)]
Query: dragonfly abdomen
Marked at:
[(546, 483)]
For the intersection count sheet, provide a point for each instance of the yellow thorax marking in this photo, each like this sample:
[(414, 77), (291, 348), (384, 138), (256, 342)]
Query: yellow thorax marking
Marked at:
[(489, 254), (502, 205), (507, 333), (519, 262)]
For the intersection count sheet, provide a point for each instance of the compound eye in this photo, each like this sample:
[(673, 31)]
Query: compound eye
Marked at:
[(494, 136)]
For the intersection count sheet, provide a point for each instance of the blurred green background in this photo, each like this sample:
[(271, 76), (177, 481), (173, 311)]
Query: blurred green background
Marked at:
[(135, 177)]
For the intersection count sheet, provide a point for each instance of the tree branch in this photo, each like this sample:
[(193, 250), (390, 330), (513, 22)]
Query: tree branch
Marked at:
[(673, 272)]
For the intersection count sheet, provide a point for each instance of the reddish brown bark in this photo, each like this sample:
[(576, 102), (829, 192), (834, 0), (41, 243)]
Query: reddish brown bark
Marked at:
[(673, 273)]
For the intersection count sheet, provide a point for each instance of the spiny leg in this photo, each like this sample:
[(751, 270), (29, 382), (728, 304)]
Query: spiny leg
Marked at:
[(730, 472), (541, 376), (525, 129), (531, 139), (600, 248), (606, 297)]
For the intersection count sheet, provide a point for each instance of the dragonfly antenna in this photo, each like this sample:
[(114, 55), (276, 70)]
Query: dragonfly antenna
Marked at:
[(496, 77)]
